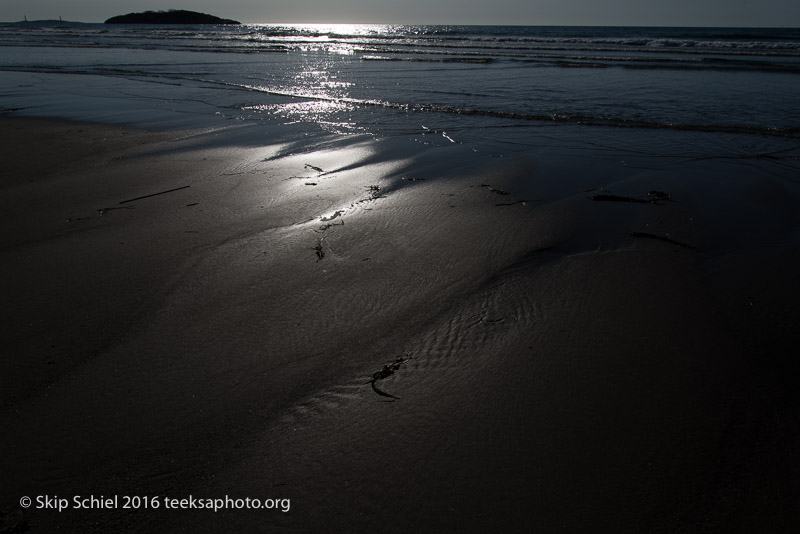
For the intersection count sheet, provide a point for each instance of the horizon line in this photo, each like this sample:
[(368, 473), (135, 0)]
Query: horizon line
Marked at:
[(549, 25)]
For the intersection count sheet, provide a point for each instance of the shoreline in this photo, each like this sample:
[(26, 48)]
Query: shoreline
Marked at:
[(223, 338)]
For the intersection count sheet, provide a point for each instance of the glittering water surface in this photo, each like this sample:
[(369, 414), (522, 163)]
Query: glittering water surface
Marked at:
[(495, 86)]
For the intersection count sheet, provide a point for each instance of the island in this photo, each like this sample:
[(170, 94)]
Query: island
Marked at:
[(173, 16)]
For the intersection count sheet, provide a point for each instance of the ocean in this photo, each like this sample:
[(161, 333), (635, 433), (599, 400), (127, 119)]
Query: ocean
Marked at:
[(500, 89)]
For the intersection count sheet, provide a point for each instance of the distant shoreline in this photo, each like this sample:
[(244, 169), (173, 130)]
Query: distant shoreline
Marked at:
[(295, 23), (173, 16)]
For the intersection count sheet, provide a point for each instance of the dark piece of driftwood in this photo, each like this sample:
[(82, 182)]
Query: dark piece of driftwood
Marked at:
[(653, 197), (387, 371), (102, 211), (619, 198), (494, 189), (374, 192), (665, 239), (154, 194), (523, 202)]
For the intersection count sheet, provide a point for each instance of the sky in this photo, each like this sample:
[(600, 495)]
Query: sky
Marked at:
[(785, 13)]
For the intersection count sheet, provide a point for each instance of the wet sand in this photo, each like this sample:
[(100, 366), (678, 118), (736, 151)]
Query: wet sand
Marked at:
[(394, 339)]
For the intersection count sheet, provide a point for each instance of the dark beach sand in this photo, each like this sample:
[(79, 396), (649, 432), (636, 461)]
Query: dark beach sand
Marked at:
[(552, 371)]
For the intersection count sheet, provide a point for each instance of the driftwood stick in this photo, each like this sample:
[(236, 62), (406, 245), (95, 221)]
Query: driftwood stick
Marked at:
[(387, 371), (154, 194), (618, 198), (665, 239), (381, 392)]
